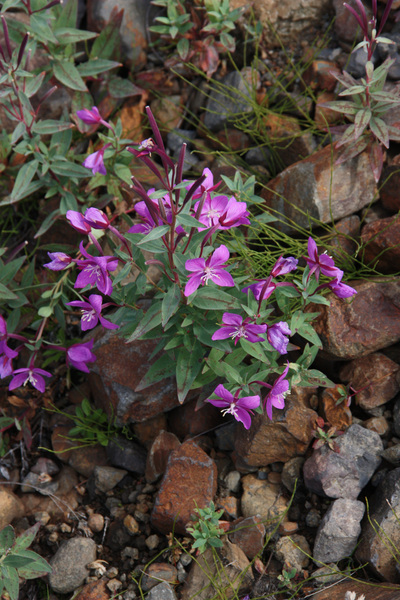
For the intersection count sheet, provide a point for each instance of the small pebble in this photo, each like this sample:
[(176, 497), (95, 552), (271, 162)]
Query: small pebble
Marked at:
[(131, 525), (129, 552), (185, 559), (274, 477), (152, 541), (65, 528), (313, 518), (42, 517), (96, 522), (288, 528), (232, 481), (114, 585), (112, 572), (53, 538)]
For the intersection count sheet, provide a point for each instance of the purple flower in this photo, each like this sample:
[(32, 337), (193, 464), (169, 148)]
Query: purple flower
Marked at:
[(206, 187), (6, 367), (96, 218), (222, 211), (80, 354), (210, 268), (91, 117), (276, 335), (284, 265), (91, 313), (95, 271), (277, 393), (321, 263), (31, 375), (95, 161), (78, 222), (257, 289), (148, 222), (341, 290), (59, 261), (4, 349), (145, 148), (233, 405), (236, 328)]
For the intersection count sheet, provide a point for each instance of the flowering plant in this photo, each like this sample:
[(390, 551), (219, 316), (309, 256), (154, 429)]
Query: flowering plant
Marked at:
[(208, 323)]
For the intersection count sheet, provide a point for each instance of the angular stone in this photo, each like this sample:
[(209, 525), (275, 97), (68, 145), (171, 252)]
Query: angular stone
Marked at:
[(95, 590), (345, 473), (187, 421), (292, 552), (290, 143), (323, 115), (347, 227), (262, 499), (157, 572), (106, 478), (147, 431), (158, 455), (116, 374), (162, 591), (233, 580), (190, 480), (249, 534), (127, 454), (292, 472), (132, 29), (68, 564), (337, 415), (318, 188), (230, 505), (320, 75), (371, 321), (381, 532), (85, 459), (287, 435), (292, 22), (346, 26), (382, 244), (377, 374), (378, 424), (338, 532), (389, 187), (359, 588)]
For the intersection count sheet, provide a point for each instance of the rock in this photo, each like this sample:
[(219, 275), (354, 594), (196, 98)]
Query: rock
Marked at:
[(338, 532), (190, 480), (131, 525), (127, 454), (34, 482), (232, 481), (334, 408), (263, 499), (396, 417), (289, 142), (177, 137), (346, 26), (11, 507), (152, 541), (378, 424), (381, 532), (230, 505), (366, 324), (162, 591), (65, 501), (389, 187), (343, 474), (228, 98), (117, 373), (95, 590), (313, 518), (382, 244), (323, 115), (392, 454), (158, 455), (96, 522), (357, 61), (167, 111), (292, 472), (187, 421), (225, 436), (347, 233), (157, 572), (290, 22), (292, 552), (320, 189), (359, 588), (69, 564), (147, 431), (286, 436), (327, 575), (320, 75), (45, 465), (249, 534), (133, 29), (85, 459), (233, 580), (106, 478), (377, 374)]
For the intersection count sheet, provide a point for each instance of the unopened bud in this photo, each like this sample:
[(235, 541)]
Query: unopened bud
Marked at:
[(369, 69)]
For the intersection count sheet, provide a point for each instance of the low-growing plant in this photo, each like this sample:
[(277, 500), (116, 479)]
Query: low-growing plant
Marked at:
[(369, 101), (16, 562), (206, 529), (325, 434), (199, 31)]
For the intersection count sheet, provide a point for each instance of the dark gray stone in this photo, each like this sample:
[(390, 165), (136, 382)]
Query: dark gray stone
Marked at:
[(177, 137), (339, 530), (162, 591), (344, 474), (228, 98), (127, 454)]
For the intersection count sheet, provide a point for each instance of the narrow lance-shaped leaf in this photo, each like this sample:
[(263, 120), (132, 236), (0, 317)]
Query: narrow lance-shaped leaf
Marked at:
[(68, 74), (361, 121), (170, 303), (151, 319), (162, 368), (352, 150), (187, 368), (380, 130)]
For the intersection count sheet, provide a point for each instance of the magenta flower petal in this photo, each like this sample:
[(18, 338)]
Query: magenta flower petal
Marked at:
[(221, 277), (59, 261), (276, 335), (341, 290), (277, 393), (90, 117), (284, 266), (232, 319), (195, 264), (219, 256), (96, 218), (192, 285), (221, 391), (77, 221), (80, 354), (95, 162)]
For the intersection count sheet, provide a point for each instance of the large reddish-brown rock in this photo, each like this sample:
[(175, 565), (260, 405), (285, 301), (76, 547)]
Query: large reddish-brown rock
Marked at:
[(382, 244), (287, 435), (159, 452), (371, 591), (317, 188), (249, 535), (389, 187), (334, 408), (369, 322), (117, 372), (377, 374), (189, 481)]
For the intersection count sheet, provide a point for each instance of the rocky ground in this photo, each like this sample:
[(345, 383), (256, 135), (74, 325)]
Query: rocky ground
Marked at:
[(114, 517)]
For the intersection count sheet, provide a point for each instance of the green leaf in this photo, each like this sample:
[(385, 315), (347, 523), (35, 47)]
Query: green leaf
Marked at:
[(38, 567), (208, 298), (25, 539), (107, 44), (23, 179), (96, 66), (34, 84), (189, 221), (162, 368), (380, 130), (70, 35), (361, 121), (11, 583), (41, 30), (68, 75), (7, 537), (47, 223), (69, 169), (151, 319), (254, 350), (68, 16), (13, 560), (45, 311), (154, 234), (6, 294), (170, 303), (48, 126), (123, 88), (188, 366)]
